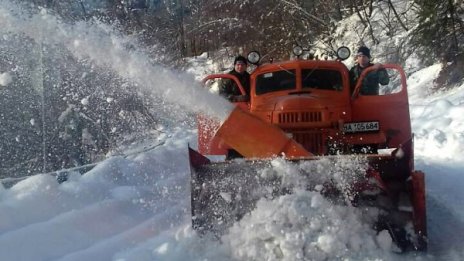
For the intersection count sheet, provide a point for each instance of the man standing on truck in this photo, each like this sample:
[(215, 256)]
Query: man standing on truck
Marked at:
[(370, 85), (229, 88)]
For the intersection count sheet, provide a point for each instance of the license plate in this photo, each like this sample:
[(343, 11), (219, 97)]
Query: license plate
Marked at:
[(361, 126)]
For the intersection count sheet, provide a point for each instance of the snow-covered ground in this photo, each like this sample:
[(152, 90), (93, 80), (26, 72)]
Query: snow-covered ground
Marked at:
[(137, 206)]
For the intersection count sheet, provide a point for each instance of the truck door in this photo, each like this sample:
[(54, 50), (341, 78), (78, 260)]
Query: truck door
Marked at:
[(388, 106), (208, 144)]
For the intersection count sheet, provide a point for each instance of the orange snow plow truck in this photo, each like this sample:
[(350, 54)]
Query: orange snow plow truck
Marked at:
[(304, 111)]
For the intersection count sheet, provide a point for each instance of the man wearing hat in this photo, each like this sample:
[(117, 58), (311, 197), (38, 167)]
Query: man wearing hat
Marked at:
[(229, 88), (371, 82)]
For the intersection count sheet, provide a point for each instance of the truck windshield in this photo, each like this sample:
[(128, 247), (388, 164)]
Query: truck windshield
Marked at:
[(275, 81), (321, 79)]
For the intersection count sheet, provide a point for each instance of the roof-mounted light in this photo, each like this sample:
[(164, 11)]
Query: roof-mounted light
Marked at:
[(343, 53), (298, 50), (254, 57)]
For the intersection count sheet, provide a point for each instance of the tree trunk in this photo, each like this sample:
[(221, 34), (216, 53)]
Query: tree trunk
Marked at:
[(455, 43), (397, 16)]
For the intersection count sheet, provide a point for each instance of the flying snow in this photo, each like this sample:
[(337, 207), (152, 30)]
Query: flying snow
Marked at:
[(5, 79)]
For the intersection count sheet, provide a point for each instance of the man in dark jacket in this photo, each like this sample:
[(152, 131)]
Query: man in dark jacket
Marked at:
[(229, 88), (370, 85)]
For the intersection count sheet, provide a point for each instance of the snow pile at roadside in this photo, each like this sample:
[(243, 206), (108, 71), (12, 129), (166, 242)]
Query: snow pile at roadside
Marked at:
[(117, 205), (306, 226), (440, 131), (436, 118)]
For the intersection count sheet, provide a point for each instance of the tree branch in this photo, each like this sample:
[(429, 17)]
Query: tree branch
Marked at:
[(397, 16)]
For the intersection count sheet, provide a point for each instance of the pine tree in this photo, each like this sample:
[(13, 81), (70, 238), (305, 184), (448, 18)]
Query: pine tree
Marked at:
[(440, 28), (440, 33)]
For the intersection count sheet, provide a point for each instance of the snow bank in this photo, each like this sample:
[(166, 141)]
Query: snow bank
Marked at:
[(5, 79), (436, 118)]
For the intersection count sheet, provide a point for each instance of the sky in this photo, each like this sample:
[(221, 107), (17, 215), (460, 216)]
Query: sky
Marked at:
[(135, 205)]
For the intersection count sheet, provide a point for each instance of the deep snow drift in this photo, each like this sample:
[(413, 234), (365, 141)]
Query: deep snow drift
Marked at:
[(137, 206)]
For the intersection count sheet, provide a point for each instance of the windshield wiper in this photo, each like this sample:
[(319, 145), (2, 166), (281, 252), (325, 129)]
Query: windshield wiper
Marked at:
[(283, 69), (299, 92)]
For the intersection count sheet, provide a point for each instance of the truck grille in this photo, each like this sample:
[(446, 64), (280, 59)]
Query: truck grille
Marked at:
[(313, 142), (292, 117)]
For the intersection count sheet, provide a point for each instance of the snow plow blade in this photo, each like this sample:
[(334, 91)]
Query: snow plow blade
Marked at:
[(223, 192), (254, 138)]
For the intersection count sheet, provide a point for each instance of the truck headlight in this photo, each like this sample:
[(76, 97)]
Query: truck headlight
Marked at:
[(297, 50), (343, 53)]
